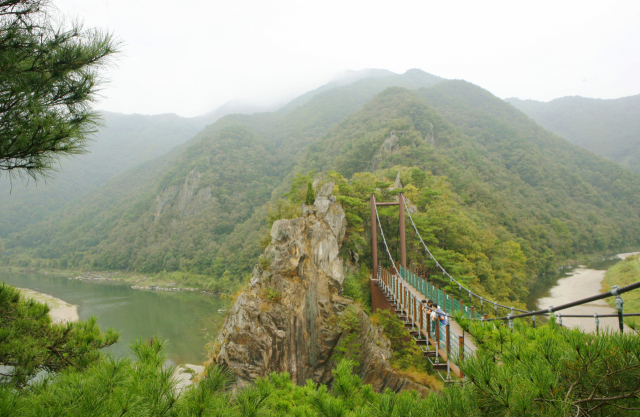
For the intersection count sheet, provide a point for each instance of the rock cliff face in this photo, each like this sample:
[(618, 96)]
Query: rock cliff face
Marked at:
[(287, 318), (185, 200)]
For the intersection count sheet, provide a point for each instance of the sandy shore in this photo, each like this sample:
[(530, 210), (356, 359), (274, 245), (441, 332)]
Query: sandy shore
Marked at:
[(61, 311), (624, 256), (583, 283)]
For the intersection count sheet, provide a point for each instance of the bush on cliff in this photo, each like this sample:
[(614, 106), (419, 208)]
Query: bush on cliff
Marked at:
[(406, 354)]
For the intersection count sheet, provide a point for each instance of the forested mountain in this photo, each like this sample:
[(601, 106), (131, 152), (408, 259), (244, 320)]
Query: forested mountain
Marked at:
[(610, 128), (500, 198), (123, 142), (519, 183)]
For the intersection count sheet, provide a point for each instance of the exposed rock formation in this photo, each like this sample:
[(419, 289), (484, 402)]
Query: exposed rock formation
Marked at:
[(187, 199), (287, 318), (389, 147), (430, 137)]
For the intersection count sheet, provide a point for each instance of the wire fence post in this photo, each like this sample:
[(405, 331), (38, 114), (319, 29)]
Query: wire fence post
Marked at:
[(461, 350), (534, 321), (511, 320), (448, 333), (560, 319), (597, 323), (421, 323), (619, 306), (437, 340), (448, 340), (415, 312)]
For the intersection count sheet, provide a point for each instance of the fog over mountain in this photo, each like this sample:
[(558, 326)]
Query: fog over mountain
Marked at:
[(124, 142), (610, 128), (481, 169)]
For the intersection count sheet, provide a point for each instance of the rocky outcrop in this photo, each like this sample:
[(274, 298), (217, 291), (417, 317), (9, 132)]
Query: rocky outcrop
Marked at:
[(430, 137), (389, 147), (287, 320), (186, 200)]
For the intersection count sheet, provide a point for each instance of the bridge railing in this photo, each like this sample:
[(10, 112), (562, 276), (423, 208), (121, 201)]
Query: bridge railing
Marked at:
[(402, 289)]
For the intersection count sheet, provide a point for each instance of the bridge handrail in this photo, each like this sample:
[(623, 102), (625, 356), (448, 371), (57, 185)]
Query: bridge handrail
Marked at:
[(552, 309)]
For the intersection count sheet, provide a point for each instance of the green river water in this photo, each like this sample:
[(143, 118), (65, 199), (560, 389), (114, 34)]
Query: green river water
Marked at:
[(187, 320)]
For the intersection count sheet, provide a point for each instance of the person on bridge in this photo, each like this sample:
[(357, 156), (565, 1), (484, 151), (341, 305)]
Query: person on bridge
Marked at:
[(442, 316), (432, 314)]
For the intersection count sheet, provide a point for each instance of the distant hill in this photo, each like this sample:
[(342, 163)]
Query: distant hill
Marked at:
[(610, 128), (199, 207), (504, 198), (123, 142)]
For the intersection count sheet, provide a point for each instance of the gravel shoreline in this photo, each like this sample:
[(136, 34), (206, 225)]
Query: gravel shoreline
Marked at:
[(60, 312)]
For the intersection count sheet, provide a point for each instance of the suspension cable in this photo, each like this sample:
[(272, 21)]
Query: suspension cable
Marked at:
[(383, 238), (451, 279)]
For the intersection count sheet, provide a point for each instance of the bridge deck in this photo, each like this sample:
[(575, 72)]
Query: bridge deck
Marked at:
[(390, 304)]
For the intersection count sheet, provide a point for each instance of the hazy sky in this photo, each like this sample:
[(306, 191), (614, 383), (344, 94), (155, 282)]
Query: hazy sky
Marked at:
[(190, 56)]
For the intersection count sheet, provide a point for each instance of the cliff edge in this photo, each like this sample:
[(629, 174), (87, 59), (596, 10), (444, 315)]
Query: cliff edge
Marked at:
[(287, 318)]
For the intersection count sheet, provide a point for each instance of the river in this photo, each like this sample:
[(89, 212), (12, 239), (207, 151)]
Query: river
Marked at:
[(574, 284), (187, 320), (190, 320)]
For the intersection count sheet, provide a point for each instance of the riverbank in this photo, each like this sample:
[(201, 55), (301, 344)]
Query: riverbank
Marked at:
[(60, 311), (621, 274), (583, 282), (164, 281), (188, 320)]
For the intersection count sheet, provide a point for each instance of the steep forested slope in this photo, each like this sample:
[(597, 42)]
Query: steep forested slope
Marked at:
[(200, 207), (610, 128), (500, 198), (518, 181), (123, 142)]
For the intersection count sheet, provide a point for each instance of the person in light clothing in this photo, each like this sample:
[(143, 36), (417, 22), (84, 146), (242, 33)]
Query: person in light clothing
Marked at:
[(442, 316)]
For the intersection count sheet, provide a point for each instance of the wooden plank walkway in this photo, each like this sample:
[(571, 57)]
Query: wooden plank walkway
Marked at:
[(424, 340)]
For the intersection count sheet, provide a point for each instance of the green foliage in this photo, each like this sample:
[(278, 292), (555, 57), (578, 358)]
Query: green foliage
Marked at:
[(349, 320), (406, 354), (621, 274), (464, 245), (122, 142), (299, 190), (264, 262), (283, 209), (30, 343), (310, 198), (610, 128), (500, 201), (274, 295), (49, 76), (552, 370), (357, 287), (139, 222), (545, 371)]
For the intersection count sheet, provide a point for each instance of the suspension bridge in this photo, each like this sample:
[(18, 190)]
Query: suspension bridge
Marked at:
[(405, 293)]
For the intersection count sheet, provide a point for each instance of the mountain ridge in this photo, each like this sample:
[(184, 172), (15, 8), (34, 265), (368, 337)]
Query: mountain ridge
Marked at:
[(526, 197), (608, 127)]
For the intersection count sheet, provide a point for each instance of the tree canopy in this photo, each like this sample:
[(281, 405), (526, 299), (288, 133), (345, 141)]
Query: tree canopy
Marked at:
[(30, 343), (49, 75)]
